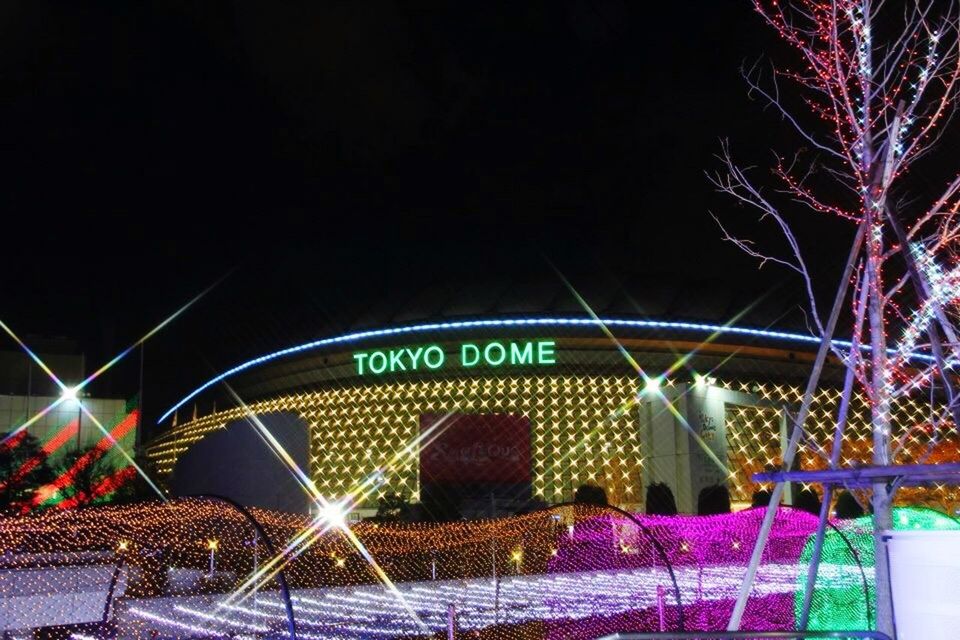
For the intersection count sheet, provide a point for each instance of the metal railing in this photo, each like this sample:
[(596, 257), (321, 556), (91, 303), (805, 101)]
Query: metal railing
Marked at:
[(745, 635)]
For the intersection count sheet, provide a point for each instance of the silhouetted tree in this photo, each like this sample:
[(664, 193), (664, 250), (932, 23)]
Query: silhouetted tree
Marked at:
[(660, 500), (713, 500), (761, 498), (440, 505), (85, 469), (23, 469), (392, 507), (137, 489), (590, 494), (847, 507), (536, 503), (807, 500)]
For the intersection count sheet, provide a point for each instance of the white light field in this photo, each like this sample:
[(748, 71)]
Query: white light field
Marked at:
[(370, 611)]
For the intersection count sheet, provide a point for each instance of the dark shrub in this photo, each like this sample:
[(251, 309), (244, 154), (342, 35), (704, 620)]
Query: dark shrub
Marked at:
[(590, 494), (807, 500), (847, 507), (660, 500), (713, 500), (761, 498)]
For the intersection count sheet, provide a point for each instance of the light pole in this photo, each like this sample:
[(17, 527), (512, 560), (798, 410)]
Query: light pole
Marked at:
[(138, 436), (213, 545), (79, 425), (71, 394)]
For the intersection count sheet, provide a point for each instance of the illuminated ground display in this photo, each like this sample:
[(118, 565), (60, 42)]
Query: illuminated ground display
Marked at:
[(620, 412), (200, 568)]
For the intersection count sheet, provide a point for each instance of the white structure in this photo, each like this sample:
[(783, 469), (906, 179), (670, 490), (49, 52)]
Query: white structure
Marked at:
[(925, 572), (38, 592), (684, 426), (15, 410)]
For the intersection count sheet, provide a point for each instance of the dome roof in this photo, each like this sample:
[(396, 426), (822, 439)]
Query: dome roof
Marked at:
[(654, 296)]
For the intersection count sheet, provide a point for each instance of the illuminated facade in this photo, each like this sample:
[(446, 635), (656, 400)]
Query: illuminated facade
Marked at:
[(66, 427), (27, 394), (704, 407)]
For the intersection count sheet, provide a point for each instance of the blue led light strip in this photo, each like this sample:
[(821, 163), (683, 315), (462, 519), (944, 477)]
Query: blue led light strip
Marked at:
[(508, 322)]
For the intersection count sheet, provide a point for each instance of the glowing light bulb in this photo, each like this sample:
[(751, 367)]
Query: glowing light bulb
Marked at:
[(653, 384), (334, 515), (69, 394)]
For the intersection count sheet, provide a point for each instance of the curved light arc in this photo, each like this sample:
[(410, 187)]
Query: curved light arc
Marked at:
[(359, 336)]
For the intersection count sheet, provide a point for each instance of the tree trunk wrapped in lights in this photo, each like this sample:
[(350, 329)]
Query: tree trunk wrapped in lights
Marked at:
[(870, 91)]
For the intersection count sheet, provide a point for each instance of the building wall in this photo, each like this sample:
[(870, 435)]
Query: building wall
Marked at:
[(586, 429), (60, 424), (753, 437), (234, 463)]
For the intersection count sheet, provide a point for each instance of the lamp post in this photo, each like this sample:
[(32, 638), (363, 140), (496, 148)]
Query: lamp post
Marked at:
[(212, 545), (71, 394)]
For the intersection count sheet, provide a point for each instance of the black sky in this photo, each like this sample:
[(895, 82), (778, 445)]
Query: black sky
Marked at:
[(319, 152)]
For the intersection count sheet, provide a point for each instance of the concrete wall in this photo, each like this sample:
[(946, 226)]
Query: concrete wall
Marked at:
[(47, 596), (15, 410), (236, 463), (685, 439)]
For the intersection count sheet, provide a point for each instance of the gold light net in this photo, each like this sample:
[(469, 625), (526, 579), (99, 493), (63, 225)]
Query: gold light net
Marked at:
[(586, 429)]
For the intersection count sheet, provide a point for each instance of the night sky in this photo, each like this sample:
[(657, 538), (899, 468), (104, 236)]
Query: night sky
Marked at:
[(318, 153)]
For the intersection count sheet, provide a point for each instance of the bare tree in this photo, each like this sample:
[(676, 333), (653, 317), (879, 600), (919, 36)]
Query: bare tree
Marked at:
[(870, 91)]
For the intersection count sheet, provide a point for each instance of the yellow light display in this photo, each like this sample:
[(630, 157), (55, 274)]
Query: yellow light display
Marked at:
[(579, 433), (753, 439), (585, 430)]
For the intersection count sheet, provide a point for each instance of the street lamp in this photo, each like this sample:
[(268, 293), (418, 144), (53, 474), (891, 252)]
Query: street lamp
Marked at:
[(212, 546), (652, 385), (72, 394)]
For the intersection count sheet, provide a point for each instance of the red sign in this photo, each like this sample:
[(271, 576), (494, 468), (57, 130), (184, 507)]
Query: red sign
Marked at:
[(475, 448)]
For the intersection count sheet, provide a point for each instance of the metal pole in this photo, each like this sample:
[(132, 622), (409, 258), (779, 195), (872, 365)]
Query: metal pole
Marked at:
[(663, 623), (451, 621), (801, 417), (835, 451), (271, 549), (83, 366), (29, 386), (256, 565), (496, 587), (138, 436), (79, 420), (784, 445), (108, 607)]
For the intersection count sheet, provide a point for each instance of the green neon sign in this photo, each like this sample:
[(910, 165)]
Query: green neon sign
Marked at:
[(498, 353)]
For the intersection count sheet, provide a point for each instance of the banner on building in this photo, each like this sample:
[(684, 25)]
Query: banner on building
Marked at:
[(475, 458)]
